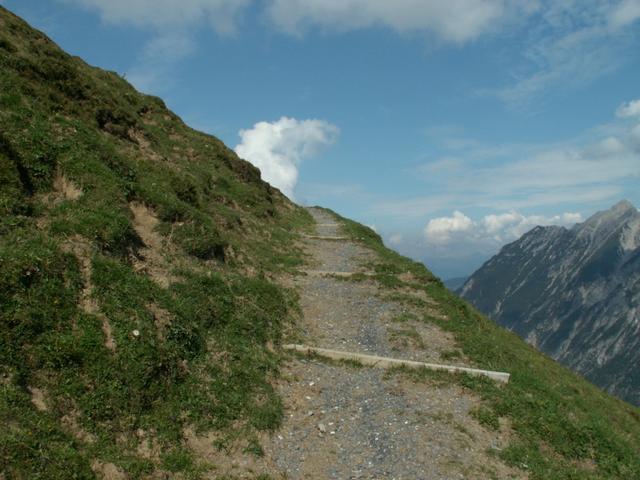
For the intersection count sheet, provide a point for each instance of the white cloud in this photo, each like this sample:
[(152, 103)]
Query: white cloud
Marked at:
[(456, 21), (600, 166), (630, 109), (567, 44), (440, 230), (490, 231), (277, 148), (220, 14)]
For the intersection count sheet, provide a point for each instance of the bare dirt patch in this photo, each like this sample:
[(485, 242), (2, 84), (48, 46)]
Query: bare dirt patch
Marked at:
[(107, 471), (161, 317), (144, 144), (65, 188), (231, 460), (38, 399), (152, 261), (83, 250), (71, 422)]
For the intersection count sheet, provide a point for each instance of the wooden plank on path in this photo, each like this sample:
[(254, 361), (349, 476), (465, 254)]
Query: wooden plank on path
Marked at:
[(386, 362)]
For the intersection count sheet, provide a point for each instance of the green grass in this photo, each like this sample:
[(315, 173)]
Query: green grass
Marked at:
[(564, 427), (211, 365), (227, 234), (406, 336)]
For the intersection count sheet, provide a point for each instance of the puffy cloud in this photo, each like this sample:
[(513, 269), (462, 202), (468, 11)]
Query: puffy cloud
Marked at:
[(630, 109), (512, 225), (221, 14), (277, 148), (440, 230), (455, 20), (491, 230)]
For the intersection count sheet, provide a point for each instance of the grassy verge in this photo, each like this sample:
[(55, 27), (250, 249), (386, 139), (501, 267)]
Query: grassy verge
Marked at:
[(564, 427)]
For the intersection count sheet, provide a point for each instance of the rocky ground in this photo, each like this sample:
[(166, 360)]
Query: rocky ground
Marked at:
[(345, 422)]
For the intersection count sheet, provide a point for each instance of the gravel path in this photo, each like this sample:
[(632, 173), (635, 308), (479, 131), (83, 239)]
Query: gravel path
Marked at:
[(346, 315), (347, 422)]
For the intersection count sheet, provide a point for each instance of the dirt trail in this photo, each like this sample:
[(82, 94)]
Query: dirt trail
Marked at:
[(345, 422)]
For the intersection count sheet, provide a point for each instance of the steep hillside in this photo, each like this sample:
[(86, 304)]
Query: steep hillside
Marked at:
[(136, 258), (148, 279), (574, 294)]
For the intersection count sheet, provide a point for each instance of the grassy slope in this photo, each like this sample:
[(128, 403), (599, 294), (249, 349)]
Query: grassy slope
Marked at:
[(202, 359), (565, 427), (227, 232)]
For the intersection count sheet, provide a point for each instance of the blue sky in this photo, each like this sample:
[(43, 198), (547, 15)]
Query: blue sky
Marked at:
[(451, 127)]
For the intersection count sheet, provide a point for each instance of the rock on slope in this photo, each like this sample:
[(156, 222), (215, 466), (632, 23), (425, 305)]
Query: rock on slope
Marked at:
[(574, 294)]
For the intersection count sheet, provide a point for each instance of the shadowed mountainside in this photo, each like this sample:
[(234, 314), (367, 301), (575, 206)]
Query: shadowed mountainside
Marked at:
[(574, 294)]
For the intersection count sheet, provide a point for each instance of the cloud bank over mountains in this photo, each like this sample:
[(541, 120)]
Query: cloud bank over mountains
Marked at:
[(277, 148), (465, 173), (491, 229)]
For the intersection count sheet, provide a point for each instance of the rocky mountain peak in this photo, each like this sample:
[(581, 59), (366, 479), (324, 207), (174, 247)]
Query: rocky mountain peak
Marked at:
[(623, 206), (574, 296), (607, 221)]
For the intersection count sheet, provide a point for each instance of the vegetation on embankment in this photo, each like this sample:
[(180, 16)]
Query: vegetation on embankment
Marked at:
[(136, 258), (137, 301), (561, 426)]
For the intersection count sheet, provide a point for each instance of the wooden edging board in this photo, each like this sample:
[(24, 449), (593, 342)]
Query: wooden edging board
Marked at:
[(385, 362)]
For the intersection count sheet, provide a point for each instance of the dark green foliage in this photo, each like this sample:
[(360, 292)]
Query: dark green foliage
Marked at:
[(177, 460), (38, 289), (200, 240), (33, 445)]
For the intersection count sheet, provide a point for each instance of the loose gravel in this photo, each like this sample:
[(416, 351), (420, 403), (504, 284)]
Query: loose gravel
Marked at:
[(349, 422)]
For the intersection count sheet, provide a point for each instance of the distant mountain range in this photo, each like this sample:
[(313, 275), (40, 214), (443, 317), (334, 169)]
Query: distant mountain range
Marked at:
[(574, 294)]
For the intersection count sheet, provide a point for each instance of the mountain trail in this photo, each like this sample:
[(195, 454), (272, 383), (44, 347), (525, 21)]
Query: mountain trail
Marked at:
[(346, 421)]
